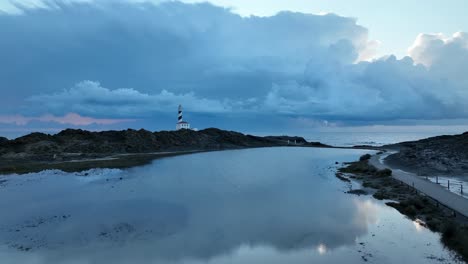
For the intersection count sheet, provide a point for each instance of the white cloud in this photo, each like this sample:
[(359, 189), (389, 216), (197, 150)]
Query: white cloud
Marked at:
[(446, 57), (433, 49), (386, 89), (91, 98)]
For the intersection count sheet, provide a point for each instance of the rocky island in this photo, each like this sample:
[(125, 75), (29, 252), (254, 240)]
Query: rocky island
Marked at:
[(76, 149)]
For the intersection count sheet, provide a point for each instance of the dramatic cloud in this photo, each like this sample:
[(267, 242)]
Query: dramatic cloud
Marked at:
[(90, 98), (151, 57), (434, 49), (68, 119), (446, 57), (387, 89), (181, 48)]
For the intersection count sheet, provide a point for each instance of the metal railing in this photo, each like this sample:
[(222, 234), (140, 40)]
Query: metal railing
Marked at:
[(453, 185), (437, 202)]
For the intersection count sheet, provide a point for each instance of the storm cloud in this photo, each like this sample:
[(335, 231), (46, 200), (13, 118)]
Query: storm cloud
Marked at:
[(138, 60), (91, 98)]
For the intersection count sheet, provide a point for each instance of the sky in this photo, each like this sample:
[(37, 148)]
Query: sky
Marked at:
[(394, 23), (243, 65)]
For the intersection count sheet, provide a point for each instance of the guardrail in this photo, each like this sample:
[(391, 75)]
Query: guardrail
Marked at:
[(455, 186), (437, 202)]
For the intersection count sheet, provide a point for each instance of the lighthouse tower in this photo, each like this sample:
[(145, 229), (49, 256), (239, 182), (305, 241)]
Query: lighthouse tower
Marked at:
[(181, 124)]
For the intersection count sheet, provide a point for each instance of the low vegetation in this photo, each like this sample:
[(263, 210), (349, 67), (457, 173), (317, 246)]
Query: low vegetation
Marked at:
[(442, 155)]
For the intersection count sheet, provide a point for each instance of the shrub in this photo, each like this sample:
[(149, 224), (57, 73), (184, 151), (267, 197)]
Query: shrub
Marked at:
[(449, 230), (381, 195), (416, 202), (365, 157), (410, 211), (433, 224), (384, 173)]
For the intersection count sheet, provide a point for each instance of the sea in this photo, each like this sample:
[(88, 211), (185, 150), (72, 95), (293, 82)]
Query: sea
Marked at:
[(347, 139)]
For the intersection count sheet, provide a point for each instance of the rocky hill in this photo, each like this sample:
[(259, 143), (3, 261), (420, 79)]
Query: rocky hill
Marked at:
[(76, 144), (442, 155)]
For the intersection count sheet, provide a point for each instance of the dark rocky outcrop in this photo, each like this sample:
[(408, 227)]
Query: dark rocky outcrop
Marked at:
[(80, 144), (442, 155)]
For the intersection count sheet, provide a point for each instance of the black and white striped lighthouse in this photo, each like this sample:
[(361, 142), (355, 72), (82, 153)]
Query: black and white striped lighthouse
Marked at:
[(180, 114), (181, 124)]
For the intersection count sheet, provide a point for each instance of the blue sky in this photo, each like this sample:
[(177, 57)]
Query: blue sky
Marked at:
[(100, 64)]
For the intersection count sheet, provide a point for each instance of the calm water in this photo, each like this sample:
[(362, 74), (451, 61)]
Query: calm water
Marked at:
[(370, 138), (270, 205), (346, 138)]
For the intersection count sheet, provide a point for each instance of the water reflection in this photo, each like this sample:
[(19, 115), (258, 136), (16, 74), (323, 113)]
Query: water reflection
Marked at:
[(200, 208), (418, 225), (322, 249)]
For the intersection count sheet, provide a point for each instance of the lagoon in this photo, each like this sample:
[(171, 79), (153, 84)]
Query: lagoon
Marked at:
[(265, 205)]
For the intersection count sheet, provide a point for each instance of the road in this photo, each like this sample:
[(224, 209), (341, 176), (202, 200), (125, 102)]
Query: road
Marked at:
[(433, 190)]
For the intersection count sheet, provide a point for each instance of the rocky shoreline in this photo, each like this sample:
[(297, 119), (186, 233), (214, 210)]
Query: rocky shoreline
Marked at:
[(78, 150), (418, 207)]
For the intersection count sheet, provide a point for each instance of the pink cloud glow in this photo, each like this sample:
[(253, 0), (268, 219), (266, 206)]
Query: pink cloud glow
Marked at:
[(68, 119)]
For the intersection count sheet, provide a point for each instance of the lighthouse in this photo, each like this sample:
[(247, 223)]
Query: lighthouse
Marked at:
[(181, 124)]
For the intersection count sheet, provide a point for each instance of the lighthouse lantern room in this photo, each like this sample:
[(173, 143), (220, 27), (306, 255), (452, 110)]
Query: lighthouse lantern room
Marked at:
[(181, 124)]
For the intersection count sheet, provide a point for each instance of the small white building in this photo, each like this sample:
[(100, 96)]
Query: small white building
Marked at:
[(181, 124)]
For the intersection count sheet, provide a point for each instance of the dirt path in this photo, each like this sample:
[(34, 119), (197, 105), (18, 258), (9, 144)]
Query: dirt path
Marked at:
[(435, 191)]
